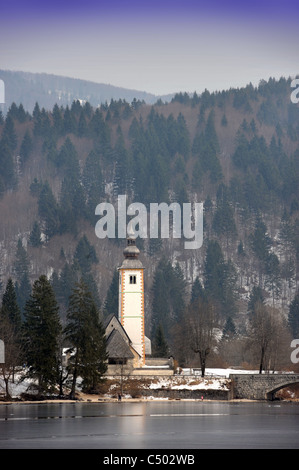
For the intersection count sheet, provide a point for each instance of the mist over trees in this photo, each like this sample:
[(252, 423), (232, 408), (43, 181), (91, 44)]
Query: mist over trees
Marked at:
[(236, 151)]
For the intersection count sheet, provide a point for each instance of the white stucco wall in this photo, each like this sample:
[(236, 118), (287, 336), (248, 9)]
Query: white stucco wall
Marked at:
[(131, 307)]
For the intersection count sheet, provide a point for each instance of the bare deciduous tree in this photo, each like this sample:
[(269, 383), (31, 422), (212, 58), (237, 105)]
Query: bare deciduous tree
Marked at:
[(267, 336), (200, 330)]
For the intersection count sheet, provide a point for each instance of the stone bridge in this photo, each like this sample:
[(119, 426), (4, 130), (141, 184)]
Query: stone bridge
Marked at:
[(260, 386)]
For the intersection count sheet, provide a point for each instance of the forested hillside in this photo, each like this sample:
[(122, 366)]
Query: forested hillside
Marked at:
[(236, 151)]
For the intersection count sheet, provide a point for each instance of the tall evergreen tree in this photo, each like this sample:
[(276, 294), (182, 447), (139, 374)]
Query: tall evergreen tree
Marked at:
[(93, 183), (168, 301), (48, 211), (111, 302), (220, 279), (9, 134), (260, 244), (35, 235), (21, 271), (160, 346), (41, 335), (7, 166), (10, 307), (85, 333), (26, 148), (85, 255)]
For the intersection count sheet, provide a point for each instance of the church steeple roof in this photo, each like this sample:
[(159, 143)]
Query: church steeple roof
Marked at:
[(131, 252)]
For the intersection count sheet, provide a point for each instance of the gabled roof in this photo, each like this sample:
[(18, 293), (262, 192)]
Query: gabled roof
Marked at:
[(116, 325), (117, 347), (107, 320)]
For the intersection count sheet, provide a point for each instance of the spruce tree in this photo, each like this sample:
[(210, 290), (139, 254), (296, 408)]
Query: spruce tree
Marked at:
[(86, 335), (85, 255), (220, 279), (93, 184), (21, 270), (26, 148), (48, 211), (168, 293), (7, 166), (160, 346), (41, 335), (10, 307), (9, 134), (35, 235), (111, 302), (260, 244), (197, 291)]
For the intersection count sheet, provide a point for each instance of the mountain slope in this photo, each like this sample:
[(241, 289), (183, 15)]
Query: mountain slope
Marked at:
[(29, 88)]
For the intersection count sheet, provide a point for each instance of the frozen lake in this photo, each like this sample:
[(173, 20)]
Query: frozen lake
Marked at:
[(150, 425)]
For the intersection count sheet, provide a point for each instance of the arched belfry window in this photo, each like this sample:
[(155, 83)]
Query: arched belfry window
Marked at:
[(133, 279)]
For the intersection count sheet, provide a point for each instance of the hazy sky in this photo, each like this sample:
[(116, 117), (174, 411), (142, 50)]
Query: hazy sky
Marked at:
[(160, 46)]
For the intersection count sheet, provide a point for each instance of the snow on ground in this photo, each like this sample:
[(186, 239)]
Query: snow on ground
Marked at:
[(188, 379), (218, 372)]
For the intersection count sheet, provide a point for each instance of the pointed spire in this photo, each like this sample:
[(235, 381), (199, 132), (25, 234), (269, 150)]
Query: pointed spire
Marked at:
[(131, 252)]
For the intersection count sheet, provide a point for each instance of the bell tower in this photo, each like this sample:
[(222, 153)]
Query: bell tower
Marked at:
[(131, 296)]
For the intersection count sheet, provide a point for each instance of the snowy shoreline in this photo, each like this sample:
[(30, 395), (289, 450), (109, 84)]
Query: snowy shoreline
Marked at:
[(187, 380)]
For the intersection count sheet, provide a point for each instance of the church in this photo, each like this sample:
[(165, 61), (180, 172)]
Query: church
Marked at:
[(129, 350)]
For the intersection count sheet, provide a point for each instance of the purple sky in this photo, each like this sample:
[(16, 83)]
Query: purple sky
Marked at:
[(157, 46)]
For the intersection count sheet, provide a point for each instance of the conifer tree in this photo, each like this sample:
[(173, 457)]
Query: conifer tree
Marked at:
[(260, 244), (111, 302), (197, 291), (229, 329), (85, 255), (82, 125), (35, 235), (7, 167), (26, 148), (48, 211), (10, 307), (168, 293), (220, 279), (57, 120), (160, 346), (41, 335), (21, 270), (85, 333), (93, 184), (9, 134)]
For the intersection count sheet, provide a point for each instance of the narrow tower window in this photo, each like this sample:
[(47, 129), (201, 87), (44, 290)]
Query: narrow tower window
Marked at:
[(132, 279)]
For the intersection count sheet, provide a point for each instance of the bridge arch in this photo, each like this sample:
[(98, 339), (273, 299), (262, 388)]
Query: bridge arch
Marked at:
[(260, 386), (270, 395)]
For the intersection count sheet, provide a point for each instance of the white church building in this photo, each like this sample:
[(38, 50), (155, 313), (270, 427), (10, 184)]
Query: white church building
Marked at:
[(127, 345)]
